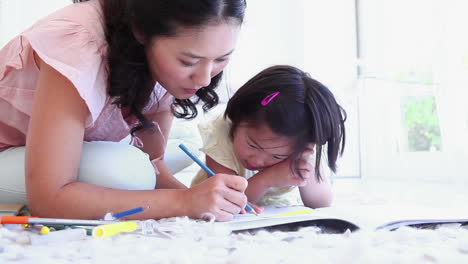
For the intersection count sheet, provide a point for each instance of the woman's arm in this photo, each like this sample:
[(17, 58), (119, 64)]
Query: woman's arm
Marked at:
[(54, 142), (154, 143)]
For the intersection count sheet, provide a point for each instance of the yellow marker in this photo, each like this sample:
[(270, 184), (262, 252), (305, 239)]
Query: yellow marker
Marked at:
[(44, 230), (113, 229), (305, 211)]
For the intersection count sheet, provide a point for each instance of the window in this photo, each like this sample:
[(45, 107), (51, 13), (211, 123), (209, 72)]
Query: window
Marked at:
[(412, 87)]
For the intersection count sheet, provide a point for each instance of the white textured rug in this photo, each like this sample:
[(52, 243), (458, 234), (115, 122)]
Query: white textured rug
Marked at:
[(200, 242)]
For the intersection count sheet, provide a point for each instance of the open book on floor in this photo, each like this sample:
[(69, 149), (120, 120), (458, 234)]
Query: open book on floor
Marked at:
[(353, 218)]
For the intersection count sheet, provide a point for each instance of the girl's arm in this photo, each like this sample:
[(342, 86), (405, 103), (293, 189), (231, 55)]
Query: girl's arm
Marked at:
[(316, 194), (313, 193), (218, 168), (54, 141), (278, 175), (155, 145)]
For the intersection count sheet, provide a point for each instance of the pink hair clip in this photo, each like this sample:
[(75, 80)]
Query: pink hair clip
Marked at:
[(269, 97)]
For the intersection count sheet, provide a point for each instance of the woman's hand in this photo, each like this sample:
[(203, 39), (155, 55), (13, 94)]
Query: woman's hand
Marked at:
[(221, 195), (257, 209)]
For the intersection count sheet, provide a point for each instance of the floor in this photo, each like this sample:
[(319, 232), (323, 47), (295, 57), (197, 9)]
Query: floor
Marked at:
[(200, 242)]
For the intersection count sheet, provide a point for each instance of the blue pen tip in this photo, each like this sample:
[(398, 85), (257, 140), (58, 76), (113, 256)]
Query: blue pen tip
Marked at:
[(250, 209)]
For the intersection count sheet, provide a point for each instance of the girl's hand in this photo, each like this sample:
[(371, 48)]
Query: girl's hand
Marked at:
[(306, 169), (282, 176), (221, 196)]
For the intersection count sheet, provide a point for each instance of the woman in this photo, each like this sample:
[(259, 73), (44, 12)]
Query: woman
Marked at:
[(82, 79)]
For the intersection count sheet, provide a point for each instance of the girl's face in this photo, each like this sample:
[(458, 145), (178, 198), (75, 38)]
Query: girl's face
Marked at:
[(257, 147), (186, 62)]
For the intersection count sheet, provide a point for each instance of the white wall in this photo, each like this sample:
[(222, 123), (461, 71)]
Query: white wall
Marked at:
[(330, 56), (272, 34), (17, 15)]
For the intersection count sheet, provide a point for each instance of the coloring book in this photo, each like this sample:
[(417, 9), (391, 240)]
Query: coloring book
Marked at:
[(353, 218)]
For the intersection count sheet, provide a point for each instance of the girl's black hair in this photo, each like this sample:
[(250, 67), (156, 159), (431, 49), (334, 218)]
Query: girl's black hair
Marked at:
[(304, 109), (130, 83)]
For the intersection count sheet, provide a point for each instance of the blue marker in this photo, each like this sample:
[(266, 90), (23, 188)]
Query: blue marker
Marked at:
[(208, 170), (198, 161), (128, 212)]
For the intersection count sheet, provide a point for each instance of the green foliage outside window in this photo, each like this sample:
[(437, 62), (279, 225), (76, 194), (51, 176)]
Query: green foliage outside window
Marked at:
[(422, 125)]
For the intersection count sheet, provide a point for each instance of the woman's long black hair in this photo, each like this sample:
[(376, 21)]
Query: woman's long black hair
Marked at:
[(304, 110), (130, 82)]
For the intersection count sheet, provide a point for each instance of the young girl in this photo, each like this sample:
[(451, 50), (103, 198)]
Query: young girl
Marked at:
[(273, 132), (82, 79)]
